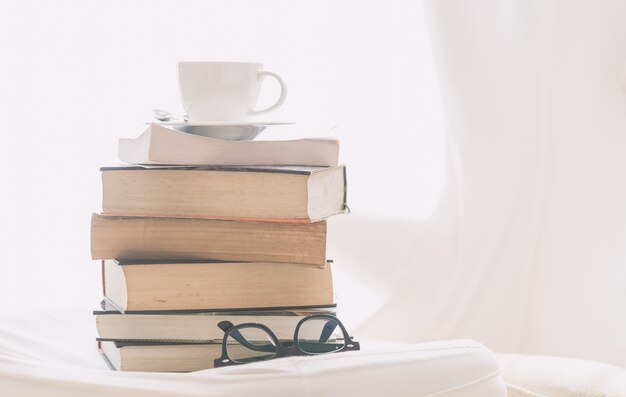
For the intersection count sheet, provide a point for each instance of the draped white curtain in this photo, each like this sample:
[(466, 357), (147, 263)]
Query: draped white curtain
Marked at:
[(527, 249)]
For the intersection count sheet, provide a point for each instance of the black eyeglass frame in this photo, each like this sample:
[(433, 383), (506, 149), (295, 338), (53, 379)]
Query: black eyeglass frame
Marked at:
[(281, 350)]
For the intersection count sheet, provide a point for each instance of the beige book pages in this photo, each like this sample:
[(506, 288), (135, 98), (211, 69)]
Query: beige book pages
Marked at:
[(164, 358), (177, 238), (163, 145), (260, 193), (226, 194), (196, 327), (222, 285)]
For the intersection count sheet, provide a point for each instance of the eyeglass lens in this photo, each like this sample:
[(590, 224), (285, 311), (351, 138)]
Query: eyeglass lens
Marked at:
[(250, 344), (320, 335)]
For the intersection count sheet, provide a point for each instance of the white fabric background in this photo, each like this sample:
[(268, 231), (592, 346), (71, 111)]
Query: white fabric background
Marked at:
[(523, 249), (526, 250)]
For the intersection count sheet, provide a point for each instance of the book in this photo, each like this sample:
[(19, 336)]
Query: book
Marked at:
[(183, 238), (197, 326), (188, 285), (305, 194), (159, 356), (163, 145)]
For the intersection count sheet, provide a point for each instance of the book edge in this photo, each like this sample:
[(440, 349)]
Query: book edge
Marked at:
[(208, 310), (104, 356)]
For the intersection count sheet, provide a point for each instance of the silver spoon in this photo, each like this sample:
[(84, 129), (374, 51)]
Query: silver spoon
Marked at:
[(164, 115)]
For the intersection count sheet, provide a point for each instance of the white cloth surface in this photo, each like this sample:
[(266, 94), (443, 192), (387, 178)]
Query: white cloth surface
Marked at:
[(529, 376), (525, 251), (54, 354)]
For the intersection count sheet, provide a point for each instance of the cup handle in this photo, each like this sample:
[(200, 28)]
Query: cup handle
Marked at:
[(283, 93)]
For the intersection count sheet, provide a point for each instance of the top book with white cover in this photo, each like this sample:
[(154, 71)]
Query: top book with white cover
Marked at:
[(160, 145)]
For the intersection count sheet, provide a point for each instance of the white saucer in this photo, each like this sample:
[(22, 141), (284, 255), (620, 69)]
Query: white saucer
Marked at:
[(228, 130)]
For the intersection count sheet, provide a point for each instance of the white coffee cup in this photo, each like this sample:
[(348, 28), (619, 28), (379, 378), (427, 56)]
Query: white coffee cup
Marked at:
[(224, 91)]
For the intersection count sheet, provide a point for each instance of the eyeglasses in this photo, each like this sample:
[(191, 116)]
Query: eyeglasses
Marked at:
[(252, 342)]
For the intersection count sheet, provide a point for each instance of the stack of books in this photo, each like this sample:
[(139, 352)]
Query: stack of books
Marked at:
[(196, 230)]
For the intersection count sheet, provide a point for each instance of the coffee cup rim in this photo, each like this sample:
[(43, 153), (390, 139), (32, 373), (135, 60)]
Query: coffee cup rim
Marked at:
[(219, 62)]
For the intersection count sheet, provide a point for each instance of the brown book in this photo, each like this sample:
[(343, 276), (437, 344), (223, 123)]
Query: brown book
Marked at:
[(300, 194), (159, 356), (145, 285), (181, 238)]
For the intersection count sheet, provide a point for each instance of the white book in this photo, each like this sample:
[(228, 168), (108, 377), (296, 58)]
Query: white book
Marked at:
[(160, 145)]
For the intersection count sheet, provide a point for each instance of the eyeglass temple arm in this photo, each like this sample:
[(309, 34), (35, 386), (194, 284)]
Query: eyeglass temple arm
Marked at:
[(225, 325), (328, 330)]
